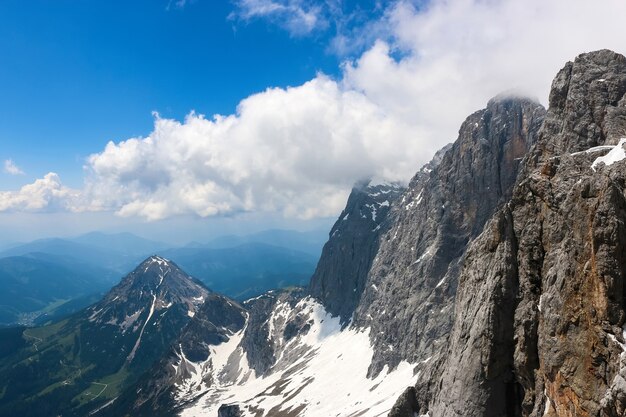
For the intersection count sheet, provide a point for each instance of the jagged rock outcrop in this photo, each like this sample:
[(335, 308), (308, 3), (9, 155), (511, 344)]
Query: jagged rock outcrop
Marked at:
[(339, 279), (265, 335), (409, 297), (539, 316), (229, 411)]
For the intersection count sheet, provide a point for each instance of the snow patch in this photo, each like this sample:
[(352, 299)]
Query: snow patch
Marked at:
[(616, 154), (94, 315), (424, 255), (132, 352), (416, 201), (372, 208)]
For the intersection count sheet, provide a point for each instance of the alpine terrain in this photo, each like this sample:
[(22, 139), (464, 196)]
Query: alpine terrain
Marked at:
[(492, 285), (69, 366), (379, 304)]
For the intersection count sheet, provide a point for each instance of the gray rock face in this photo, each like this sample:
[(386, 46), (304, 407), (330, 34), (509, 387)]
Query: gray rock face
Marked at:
[(406, 405), (339, 279), (539, 313), (409, 296), (229, 411), (262, 344)]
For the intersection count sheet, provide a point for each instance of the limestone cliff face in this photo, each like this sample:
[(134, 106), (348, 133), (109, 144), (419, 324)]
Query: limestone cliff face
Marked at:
[(408, 301), (339, 279), (539, 314)]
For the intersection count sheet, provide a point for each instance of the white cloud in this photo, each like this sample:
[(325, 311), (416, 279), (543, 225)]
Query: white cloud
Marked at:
[(11, 168), (45, 194), (299, 17), (297, 151), (178, 4), (458, 54)]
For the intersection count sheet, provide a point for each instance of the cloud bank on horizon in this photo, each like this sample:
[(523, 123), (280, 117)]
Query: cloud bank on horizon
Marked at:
[(298, 150)]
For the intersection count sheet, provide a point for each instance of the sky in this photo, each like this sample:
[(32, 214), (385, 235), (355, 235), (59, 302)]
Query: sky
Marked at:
[(208, 117)]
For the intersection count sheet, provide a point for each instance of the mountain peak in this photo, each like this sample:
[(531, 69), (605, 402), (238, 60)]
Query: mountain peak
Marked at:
[(157, 260), (586, 105), (156, 281)]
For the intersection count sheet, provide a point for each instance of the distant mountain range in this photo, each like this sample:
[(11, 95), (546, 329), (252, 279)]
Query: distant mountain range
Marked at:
[(308, 242), (47, 279), (34, 287), (245, 270)]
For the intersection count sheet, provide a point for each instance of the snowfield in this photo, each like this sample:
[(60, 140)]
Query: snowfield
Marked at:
[(322, 372)]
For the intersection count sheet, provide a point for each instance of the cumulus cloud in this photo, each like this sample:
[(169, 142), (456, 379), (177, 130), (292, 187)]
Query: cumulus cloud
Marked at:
[(297, 151), (11, 168), (45, 194)]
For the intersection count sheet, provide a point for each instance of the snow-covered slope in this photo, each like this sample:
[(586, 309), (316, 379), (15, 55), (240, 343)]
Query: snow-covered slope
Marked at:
[(280, 354), (320, 372)]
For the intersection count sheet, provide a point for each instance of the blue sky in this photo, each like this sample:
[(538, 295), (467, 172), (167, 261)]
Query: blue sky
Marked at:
[(77, 74), (268, 110)]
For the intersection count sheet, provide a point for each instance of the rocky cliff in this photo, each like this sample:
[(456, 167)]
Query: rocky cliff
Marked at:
[(539, 314), (408, 301), (339, 279)]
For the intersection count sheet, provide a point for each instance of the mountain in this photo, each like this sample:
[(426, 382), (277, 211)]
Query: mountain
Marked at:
[(492, 286), (341, 274), (49, 279), (57, 277), (409, 297), (74, 366), (108, 258), (34, 287), (539, 319), (332, 348), (310, 242), (192, 361), (124, 243), (246, 270)]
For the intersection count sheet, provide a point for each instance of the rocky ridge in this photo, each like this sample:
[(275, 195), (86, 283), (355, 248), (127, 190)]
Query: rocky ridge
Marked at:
[(539, 315)]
